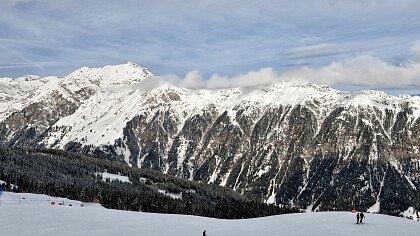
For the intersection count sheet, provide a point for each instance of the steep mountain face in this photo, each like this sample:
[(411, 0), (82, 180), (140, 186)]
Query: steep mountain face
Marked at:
[(31, 105), (287, 143)]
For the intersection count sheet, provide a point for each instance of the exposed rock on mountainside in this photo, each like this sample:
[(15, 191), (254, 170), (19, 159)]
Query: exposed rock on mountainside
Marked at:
[(288, 143)]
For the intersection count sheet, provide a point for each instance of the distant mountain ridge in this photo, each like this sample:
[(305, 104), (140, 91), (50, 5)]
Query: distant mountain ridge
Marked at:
[(293, 143)]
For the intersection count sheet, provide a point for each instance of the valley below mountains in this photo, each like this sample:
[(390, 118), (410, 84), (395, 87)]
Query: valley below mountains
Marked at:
[(289, 143)]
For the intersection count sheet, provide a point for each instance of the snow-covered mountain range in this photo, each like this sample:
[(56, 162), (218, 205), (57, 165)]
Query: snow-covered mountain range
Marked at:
[(291, 143)]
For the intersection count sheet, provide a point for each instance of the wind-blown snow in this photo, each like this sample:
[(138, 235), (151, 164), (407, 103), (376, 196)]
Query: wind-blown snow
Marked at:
[(63, 220)]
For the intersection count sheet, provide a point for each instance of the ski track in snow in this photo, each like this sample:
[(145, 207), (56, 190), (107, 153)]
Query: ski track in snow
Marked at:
[(63, 220)]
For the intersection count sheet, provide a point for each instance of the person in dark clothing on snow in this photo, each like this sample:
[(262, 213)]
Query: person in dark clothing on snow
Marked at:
[(358, 217), (204, 233), (361, 217)]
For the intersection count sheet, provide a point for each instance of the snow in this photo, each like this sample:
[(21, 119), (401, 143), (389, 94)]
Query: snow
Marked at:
[(216, 171), (118, 93), (63, 220), (4, 182), (375, 207), (263, 171), (411, 213), (125, 152), (309, 208), (116, 75), (225, 178), (25, 199), (272, 198), (395, 164), (16, 94), (113, 177), (114, 104), (182, 149), (171, 195)]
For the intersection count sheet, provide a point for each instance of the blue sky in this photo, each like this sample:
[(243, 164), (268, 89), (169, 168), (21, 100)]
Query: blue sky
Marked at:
[(300, 39)]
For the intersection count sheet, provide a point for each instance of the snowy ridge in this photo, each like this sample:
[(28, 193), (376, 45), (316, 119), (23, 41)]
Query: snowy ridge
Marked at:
[(113, 108), (106, 76), (114, 95), (16, 94)]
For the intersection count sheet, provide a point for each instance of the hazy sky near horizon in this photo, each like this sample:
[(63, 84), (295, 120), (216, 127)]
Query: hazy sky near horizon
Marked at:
[(347, 44)]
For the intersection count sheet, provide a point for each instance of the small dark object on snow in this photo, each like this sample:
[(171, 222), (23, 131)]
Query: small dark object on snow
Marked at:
[(361, 217), (358, 217), (70, 205), (204, 233)]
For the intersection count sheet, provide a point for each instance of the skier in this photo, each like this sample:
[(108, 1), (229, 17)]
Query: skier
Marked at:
[(361, 217), (204, 233), (358, 217)]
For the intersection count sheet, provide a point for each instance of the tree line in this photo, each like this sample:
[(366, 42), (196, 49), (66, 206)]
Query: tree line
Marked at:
[(74, 176)]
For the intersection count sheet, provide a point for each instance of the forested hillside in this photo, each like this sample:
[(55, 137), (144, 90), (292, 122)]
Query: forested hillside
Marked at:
[(64, 174)]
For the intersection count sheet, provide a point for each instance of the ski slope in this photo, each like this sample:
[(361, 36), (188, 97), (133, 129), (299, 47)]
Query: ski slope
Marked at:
[(44, 219)]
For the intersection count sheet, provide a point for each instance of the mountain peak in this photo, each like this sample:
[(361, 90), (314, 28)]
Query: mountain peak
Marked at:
[(133, 64), (109, 75), (137, 66)]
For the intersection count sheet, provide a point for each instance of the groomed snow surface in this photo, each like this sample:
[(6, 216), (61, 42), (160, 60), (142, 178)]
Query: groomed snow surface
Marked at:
[(44, 219)]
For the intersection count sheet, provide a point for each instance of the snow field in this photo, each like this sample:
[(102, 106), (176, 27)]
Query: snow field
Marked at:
[(59, 220)]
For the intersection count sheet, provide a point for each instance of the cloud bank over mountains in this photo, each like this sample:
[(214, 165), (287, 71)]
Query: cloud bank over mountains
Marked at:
[(217, 44), (363, 71)]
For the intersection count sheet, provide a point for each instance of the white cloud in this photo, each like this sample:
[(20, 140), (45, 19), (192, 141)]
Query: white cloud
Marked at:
[(252, 78), (415, 51), (224, 37), (364, 70), (331, 49), (194, 79), (9, 3)]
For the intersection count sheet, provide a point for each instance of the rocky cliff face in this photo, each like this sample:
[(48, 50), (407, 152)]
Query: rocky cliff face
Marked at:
[(287, 143)]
